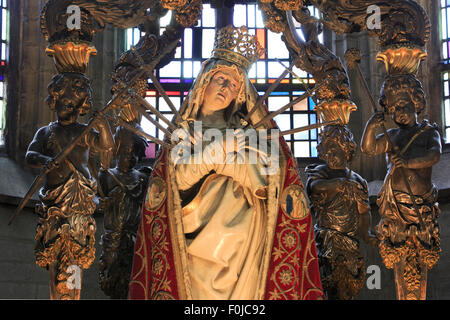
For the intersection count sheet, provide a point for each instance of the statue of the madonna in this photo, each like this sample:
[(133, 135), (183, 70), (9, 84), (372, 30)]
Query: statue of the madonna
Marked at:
[(215, 224)]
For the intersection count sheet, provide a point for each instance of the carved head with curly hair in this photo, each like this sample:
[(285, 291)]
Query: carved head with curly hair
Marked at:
[(403, 97), (70, 95), (336, 146), (396, 85)]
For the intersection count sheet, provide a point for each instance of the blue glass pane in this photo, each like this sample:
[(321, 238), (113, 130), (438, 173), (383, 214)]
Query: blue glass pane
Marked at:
[(313, 134), (313, 149), (301, 120), (312, 104), (280, 93), (313, 120)]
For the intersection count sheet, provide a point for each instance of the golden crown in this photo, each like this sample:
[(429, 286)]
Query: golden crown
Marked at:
[(238, 46)]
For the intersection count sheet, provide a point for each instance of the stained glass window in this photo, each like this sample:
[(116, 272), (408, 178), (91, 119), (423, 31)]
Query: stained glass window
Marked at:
[(197, 44), (4, 31), (446, 100), (445, 54), (445, 30)]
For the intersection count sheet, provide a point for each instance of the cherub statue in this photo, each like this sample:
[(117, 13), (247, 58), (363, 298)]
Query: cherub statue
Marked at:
[(408, 229), (340, 203), (124, 189), (65, 233)]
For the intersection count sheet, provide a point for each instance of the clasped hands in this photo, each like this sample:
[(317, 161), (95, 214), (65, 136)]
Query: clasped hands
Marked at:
[(235, 145)]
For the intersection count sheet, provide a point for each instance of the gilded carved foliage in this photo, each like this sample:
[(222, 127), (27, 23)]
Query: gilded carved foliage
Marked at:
[(312, 56), (119, 13), (402, 21), (188, 15), (95, 14)]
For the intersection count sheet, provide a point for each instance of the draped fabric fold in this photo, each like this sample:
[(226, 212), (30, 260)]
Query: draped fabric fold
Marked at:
[(225, 231)]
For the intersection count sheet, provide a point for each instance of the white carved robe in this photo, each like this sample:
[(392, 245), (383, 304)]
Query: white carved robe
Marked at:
[(228, 218)]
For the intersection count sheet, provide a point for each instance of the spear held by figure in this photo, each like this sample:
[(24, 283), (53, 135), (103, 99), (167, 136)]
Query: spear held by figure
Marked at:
[(148, 68)]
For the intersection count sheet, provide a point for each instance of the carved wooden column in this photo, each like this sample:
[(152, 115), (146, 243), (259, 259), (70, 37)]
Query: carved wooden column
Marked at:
[(65, 234), (410, 249), (29, 73)]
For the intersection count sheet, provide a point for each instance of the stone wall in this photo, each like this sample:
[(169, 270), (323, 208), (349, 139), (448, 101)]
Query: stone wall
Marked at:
[(20, 277), (29, 73)]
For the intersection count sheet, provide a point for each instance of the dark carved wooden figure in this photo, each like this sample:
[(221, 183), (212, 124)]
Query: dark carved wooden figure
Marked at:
[(408, 229), (124, 189), (340, 203), (65, 233)]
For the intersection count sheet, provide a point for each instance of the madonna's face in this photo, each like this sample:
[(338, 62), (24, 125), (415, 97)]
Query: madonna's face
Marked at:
[(221, 91)]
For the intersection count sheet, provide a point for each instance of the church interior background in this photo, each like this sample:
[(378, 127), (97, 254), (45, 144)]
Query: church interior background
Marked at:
[(26, 70)]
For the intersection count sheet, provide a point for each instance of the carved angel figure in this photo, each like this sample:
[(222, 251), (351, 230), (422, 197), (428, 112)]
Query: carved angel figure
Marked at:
[(409, 231), (340, 202), (123, 189), (65, 233)]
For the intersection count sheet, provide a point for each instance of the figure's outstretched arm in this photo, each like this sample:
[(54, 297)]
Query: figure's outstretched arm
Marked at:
[(372, 144), (102, 142)]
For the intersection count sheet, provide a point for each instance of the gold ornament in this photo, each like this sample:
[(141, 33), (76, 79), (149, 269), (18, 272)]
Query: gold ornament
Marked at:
[(335, 110), (274, 20), (70, 56), (236, 45), (173, 4), (402, 60), (286, 5), (188, 16)]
